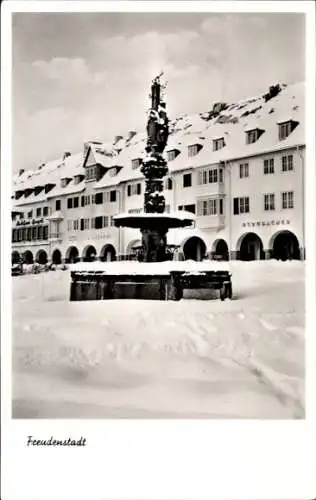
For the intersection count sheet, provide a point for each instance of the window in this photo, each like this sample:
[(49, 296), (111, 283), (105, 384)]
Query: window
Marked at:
[(285, 129), (69, 203), (45, 211), (112, 196), (92, 199), (187, 180), (84, 224), (253, 135), (243, 170), (98, 222), (171, 155), (85, 200), (40, 232), (38, 212), (241, 205), (77, 179), (136, 163), (30, 214), (210, 176), (287, 163), (76, 225), (134, 189), (221, 206), (63, 182), (288, 199), (76, 202), (193, 150), (45, 233), (58, 205), (218, 144), (135, 211), (168, 184), (268, 166), (91, 173), (269, 201), (99, 198), (69, 225), (221, 175), (211, 206)]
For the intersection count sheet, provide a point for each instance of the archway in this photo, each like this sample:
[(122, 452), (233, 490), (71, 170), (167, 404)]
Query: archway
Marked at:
[(251, 247), (108, 253), (28, 257), (41, 257), (220, 250), (285, 246), (56, 257), (194, 249), (89, 254), (15, 257), (133, 250), (72, 255)]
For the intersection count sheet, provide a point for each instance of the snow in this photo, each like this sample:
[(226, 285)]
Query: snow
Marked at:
[(150, 268), (194, 358)]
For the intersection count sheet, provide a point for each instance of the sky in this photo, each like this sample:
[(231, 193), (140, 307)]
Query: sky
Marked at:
[(86, 76)]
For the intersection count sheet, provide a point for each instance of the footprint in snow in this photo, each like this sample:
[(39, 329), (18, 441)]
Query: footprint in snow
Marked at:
[(267, 325)]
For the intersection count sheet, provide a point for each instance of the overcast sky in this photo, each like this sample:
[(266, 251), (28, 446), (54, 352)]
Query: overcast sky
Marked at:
[(87, 76)]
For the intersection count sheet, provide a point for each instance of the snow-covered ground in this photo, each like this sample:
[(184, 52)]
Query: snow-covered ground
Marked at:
[(149, 359)]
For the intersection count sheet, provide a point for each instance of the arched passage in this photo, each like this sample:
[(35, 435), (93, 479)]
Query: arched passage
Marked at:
[(28, 257), (220, 250), (15, 257), (41, 257), (285, 246), (108, 253), (56, 257), (250, 247), (89, 254), (194, 249), (72, 255), (133, 249)]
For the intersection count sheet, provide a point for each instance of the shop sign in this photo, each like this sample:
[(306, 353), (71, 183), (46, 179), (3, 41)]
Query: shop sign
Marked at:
[(258, 223), (24, 222)]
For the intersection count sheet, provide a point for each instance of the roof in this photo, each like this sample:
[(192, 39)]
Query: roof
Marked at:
[(230, 121)]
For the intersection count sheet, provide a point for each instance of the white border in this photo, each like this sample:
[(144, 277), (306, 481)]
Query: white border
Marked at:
[(159, 459)]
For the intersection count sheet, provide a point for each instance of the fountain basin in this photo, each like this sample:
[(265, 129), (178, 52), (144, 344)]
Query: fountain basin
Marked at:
[(155, 281), (155, 221)]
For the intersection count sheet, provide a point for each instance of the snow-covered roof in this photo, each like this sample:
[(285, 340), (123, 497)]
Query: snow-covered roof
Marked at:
[(230, 121)]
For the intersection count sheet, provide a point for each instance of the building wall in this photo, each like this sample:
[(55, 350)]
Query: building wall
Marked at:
[(209, 228)]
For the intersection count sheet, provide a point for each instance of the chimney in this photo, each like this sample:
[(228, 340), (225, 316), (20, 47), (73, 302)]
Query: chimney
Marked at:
[(117, 138), (131, 134), (66, 154), (21, 171)]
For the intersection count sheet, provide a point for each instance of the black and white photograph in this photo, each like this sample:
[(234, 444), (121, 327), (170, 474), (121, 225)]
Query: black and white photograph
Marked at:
[(158, 275), (158, 215)]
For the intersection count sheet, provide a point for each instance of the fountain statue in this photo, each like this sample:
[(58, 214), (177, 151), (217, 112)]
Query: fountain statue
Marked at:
[(144, 280), (154, 167)]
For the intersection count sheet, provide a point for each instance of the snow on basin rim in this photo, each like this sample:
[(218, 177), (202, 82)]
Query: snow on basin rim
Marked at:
[(134, 267), (178, 214)]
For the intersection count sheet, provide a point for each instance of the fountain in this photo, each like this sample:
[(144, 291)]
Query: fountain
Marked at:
[(156, 277)]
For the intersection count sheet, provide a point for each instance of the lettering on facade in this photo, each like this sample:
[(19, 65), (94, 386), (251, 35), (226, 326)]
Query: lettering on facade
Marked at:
[(266, 223), (29, 222)]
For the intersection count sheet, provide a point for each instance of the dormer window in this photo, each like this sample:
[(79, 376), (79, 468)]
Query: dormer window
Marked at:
[(77, 179), (91, 173), (253, 135), (64, 181), (48, 188), (113, 171), (285, 128), (172, 154), (194, 149), (136, 163), (218, 144)]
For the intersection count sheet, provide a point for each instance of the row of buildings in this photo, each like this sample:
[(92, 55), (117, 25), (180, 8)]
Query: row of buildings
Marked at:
[(238, 167)]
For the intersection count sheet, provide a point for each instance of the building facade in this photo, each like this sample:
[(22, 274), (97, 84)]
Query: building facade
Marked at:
[(239, 168)]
